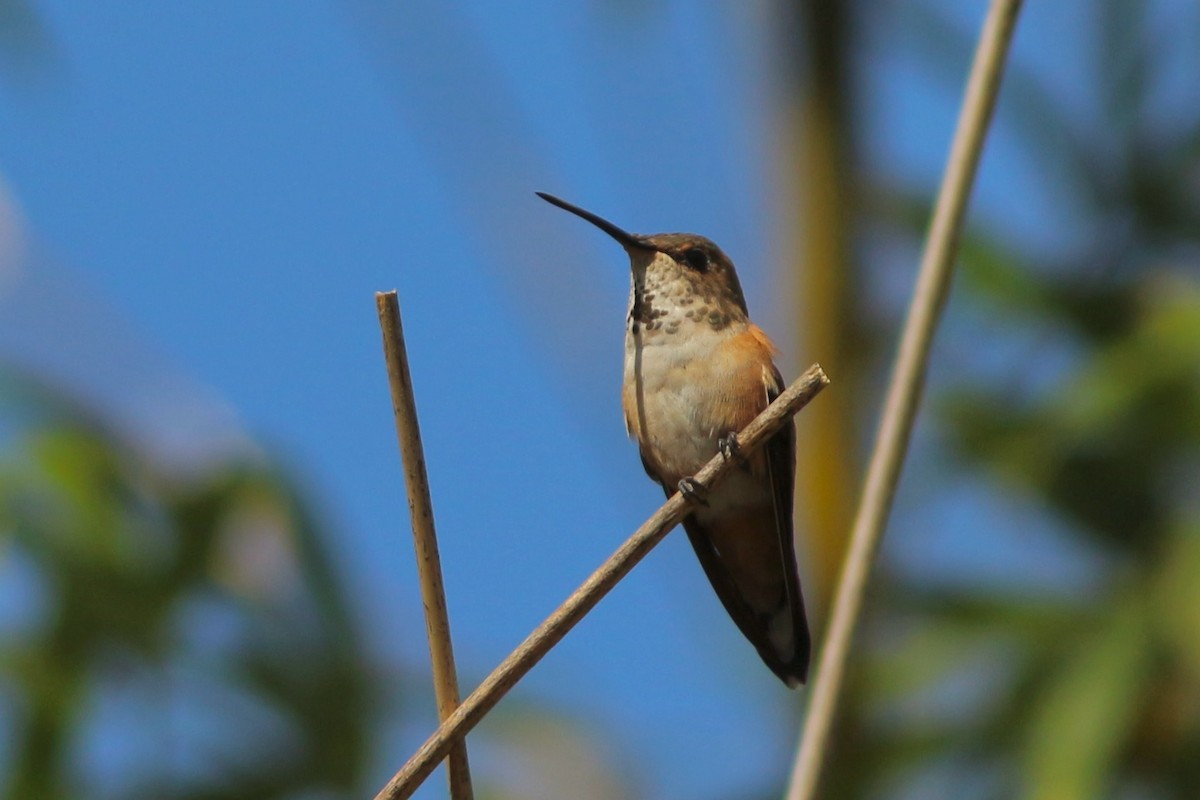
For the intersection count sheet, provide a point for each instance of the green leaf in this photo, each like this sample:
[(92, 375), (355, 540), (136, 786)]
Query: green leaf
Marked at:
[(1082, 721)]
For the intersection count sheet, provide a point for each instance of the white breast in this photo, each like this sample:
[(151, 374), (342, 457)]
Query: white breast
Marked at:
[(672, 389)]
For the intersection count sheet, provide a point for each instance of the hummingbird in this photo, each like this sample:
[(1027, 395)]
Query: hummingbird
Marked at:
[(697, 371)]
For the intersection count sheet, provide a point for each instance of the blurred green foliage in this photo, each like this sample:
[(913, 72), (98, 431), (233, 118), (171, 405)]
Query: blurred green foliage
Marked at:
[(185, 627)]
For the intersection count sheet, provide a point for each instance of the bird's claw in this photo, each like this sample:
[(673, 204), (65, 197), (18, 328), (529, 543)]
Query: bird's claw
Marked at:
[(729, 447), (694, 491)]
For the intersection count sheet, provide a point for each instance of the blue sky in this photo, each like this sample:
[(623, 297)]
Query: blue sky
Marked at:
[(210, 194)]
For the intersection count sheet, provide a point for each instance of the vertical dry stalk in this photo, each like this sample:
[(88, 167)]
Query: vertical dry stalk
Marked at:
[(584, 599), (891, 443), (420, 507)]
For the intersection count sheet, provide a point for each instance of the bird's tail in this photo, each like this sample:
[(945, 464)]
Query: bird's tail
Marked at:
[(788, 646)]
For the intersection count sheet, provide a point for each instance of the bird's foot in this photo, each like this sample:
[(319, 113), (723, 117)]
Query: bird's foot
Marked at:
[(694, 491), (729, 447)]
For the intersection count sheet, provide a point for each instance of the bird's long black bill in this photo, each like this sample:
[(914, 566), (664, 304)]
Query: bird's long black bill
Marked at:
[(626, 238)]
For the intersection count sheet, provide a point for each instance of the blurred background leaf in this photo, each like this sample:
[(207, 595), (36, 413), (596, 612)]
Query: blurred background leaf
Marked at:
[(206, 598)]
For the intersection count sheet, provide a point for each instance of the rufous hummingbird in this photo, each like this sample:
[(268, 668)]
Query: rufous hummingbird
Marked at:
[(697, 371)]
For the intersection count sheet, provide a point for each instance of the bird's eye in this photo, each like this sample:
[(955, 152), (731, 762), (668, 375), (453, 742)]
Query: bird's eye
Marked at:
[(697, 259)]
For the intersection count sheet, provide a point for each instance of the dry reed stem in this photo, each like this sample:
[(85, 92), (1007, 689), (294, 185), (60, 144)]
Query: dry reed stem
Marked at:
[(585, 598), (420, 507), (904, 393)]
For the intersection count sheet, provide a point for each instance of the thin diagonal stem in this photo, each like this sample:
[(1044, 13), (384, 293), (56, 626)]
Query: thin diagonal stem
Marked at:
[(904, 393), (420, 507), (584, 599)]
